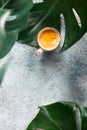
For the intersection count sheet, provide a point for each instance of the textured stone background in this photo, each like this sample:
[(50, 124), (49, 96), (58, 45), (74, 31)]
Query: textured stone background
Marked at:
[(32, 81)]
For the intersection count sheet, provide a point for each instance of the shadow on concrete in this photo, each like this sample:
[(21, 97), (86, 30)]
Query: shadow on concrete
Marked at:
[(54, 56)]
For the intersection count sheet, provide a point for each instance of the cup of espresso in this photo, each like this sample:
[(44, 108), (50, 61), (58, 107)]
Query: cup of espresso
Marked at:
[(48, 40)]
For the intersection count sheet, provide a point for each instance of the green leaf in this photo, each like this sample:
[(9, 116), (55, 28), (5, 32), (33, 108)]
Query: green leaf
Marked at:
[(7, 39), (3, 69), (20, 13), (83, 112), (60, 116), (48, 13), (13, 17)]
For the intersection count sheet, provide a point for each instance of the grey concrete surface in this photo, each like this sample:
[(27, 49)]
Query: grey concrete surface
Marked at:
[(32, 81)]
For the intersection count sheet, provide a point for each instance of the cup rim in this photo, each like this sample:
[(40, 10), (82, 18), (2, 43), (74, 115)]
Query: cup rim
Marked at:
[(44, 29)]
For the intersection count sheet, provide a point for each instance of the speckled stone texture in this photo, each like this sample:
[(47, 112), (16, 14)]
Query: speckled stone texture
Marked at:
[(32, 81)]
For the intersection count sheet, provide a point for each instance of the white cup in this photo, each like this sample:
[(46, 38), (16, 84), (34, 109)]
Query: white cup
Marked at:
[(48, 40)]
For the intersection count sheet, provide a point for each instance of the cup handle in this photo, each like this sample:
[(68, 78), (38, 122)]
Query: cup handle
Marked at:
[(39, 51)]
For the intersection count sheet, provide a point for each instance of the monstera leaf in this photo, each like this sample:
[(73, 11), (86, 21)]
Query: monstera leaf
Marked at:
[(48, 13), (13, 17), (60, 116), (7, 39)]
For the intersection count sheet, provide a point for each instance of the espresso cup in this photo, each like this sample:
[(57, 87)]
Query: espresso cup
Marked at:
[(48, 40)]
